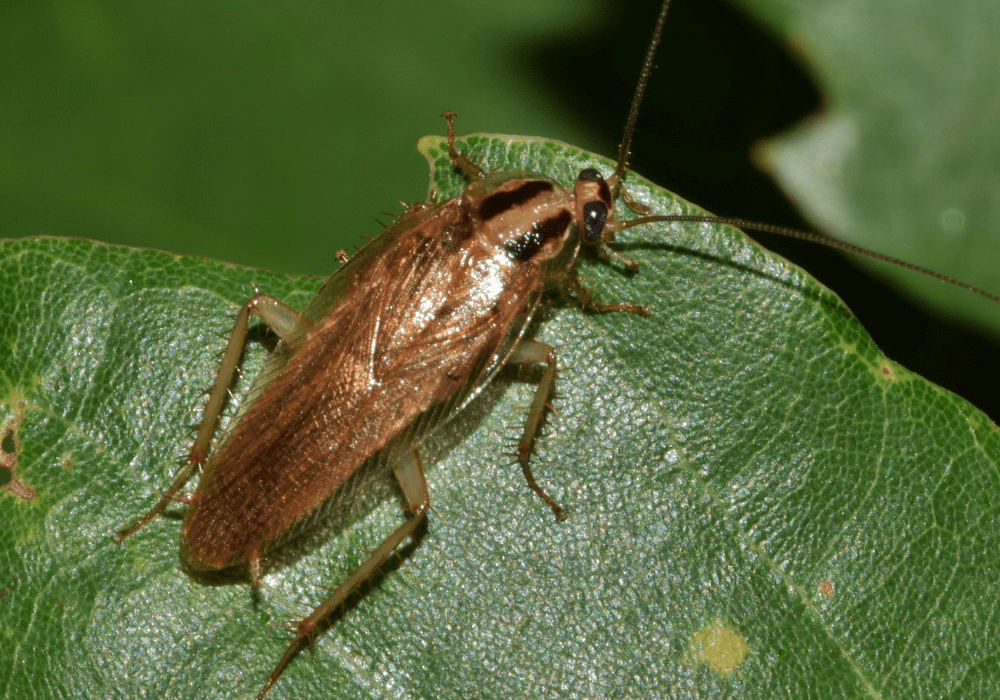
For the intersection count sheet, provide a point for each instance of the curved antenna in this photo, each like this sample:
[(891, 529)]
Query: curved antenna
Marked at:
[(640, 88), (806, 236)]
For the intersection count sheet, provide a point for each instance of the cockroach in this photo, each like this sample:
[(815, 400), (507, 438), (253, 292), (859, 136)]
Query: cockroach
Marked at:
[(397, 341)]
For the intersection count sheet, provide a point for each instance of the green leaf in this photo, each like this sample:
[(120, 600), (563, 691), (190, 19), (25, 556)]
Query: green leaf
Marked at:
[(759, 503)]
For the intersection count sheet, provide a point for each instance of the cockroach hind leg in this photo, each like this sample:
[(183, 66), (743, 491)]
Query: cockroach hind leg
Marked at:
[(409, 472), (184, 475), (533, 351), (283, 320), (459, 160)]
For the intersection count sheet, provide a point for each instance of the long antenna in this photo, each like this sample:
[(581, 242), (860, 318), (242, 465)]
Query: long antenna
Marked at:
[(640, 88), (806, 236)]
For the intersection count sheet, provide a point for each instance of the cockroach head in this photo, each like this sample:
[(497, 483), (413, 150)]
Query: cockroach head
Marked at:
[(595, 200)]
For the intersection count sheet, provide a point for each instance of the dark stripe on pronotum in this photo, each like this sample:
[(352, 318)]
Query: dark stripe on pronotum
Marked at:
[(525, 247), (501, 202)]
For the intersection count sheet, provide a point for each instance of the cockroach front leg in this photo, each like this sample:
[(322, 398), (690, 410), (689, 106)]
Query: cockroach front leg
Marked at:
[(585, 300), (460, 161), (280, 318), (532, 351), (410, 473)]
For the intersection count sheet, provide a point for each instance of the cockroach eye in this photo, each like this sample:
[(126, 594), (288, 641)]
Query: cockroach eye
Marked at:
[(589, 175), (594, 216)]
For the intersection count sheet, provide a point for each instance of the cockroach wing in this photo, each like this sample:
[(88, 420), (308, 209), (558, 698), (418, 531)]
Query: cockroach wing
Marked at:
[(328, 296), (417, 319)]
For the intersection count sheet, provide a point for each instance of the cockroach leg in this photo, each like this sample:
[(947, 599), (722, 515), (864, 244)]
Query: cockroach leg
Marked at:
[(529, 351), (460, 161), (183, 475), (605, 252), (287, 324), (185, 497), (532, 351), (633, 203), (585, 300), (255, 564), (410, 473)]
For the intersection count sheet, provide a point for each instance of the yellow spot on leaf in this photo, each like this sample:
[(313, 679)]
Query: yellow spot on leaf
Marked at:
[(719, 646)]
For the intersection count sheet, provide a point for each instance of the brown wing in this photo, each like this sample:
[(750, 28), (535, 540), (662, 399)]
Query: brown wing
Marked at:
[(414, 327)]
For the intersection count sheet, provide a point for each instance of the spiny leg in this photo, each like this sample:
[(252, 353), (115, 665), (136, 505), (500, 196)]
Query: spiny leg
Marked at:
[(284, 321), (460, 161), (585, 300), (410, 474), (532, 351)]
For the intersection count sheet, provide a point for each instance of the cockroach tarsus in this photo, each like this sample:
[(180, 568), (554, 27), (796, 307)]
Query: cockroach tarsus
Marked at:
[(399, 339)]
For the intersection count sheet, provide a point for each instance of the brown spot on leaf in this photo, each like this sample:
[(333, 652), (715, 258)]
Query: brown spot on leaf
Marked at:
[(888, 371), (10, 450)]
